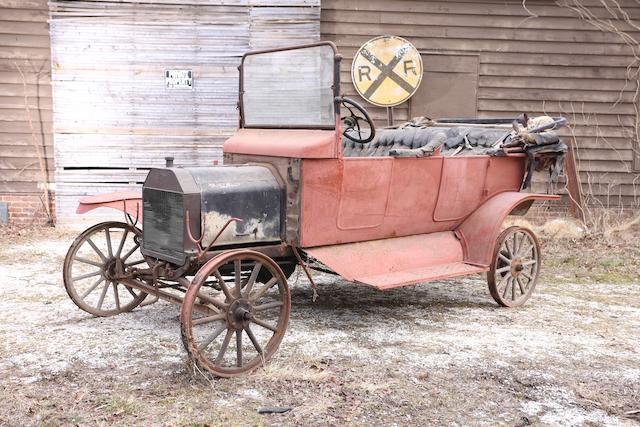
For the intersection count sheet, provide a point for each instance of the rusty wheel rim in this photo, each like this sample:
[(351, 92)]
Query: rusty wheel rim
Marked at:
[(94, 264), (515, 267), (250, 302)]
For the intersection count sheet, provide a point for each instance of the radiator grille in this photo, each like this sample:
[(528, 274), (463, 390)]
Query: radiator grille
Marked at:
[(163, 223)]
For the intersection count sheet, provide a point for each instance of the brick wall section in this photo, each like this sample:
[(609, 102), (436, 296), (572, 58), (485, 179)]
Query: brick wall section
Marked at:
[(27, 209)]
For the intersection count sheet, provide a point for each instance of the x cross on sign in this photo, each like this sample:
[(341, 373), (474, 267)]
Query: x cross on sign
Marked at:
[(387, 70)]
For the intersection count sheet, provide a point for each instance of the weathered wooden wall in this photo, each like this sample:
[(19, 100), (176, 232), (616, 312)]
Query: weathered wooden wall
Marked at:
[(554, 63), (24, 48), (114, 118)]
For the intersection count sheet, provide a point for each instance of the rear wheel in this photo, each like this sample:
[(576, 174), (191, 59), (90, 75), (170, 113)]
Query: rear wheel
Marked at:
[(515, 267), (249, 297)]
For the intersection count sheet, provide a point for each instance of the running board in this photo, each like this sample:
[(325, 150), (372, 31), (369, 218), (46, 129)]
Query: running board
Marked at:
[(420, 275), (399, 261)]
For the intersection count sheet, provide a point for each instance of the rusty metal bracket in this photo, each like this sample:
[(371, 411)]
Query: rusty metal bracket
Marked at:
[(307, 272), (198, 242), (127, 217)]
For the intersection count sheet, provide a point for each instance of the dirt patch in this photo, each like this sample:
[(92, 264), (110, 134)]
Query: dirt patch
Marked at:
[(440, 353)]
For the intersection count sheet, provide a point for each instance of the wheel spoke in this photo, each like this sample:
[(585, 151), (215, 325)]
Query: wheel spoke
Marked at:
[(103, 294), (128, 254), (109, 248), (252, 278), (504, 279), (520, 285), (98, 251), (116, 296), (131, 264), (92, 288), (253, 339), (525, 274), (505, 259), (508, 249), (214, 318), (264, 289), (87, 275), (268, 306), (122, 241), (264, 324), (503, 269), (223, 286), (88, 261), (530, 262), (208, 340), (506, 287), (224, 346), (513, 289), (237, 270), (239, 348), (527, 248)]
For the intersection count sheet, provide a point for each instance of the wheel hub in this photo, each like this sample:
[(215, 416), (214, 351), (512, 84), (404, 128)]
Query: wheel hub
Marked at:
[(516, 267), (110, 269), (239, 314)]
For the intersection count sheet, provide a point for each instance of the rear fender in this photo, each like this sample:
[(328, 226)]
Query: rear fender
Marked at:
[(125, 201), (478, 233)]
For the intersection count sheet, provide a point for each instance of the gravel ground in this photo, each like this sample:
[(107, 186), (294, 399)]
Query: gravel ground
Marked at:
[(437, 353)]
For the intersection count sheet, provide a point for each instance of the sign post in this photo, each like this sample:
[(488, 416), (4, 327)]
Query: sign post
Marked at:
[(386, 71)]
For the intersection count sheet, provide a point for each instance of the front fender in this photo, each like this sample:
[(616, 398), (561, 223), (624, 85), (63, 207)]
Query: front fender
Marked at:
[(125, 201), (478, 233)]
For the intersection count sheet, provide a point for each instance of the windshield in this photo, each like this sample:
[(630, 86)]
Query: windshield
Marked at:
[(289, 88)]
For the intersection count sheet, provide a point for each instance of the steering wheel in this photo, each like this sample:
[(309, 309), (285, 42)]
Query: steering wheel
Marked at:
[(352, 129)]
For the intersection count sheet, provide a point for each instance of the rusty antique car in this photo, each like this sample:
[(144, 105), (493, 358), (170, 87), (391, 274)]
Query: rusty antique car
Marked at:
[(301, 185)]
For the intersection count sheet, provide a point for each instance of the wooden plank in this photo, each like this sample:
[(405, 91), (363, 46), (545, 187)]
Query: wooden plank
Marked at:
[(33, 53), (31, 90), (553, 82), (20, 139), (541, 105), (545, 10), (571, 95), (556, 71), (24, 4), (458, 45), (24, 40), (21, 115), (18, 187), (25, 15), (485, 27), (28, 28)]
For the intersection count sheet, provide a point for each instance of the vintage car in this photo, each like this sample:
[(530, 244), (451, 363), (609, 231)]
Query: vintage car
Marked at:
[(301, 185)]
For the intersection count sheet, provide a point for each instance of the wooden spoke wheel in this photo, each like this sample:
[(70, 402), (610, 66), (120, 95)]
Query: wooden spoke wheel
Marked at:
[(94, 263), (515, 267), (249, 299)]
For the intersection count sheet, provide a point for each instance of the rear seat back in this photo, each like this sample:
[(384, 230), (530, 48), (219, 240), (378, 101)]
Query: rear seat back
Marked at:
[(480, 139)]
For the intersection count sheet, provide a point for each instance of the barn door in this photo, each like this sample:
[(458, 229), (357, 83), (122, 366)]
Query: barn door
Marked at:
[(449, 87)]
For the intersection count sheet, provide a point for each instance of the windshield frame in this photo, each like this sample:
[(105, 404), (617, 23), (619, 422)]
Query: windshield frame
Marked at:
[(335, 87)]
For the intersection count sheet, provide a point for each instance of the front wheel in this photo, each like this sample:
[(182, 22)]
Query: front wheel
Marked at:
[(515, 267), (94, 264), (249, 301)]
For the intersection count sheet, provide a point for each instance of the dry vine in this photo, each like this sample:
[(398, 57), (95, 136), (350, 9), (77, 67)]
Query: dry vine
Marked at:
[(41, 155), (618, 22)]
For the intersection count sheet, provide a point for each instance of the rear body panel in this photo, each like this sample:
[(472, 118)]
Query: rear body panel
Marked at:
[(368, 198)]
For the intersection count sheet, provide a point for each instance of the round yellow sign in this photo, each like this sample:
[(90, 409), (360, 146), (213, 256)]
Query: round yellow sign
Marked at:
[(387, 70)]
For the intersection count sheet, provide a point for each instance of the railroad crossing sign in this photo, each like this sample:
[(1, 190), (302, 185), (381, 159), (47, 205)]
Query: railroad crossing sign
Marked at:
[(387, 70)]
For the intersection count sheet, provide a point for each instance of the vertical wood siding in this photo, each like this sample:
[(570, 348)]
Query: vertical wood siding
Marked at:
[(24, 46), (555, 63), (114, 118)]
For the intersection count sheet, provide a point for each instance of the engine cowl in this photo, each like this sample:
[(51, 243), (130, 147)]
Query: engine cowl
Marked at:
[(210, 196)]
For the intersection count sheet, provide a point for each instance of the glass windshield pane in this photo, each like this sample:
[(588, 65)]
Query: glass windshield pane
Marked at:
[(289, 88)]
